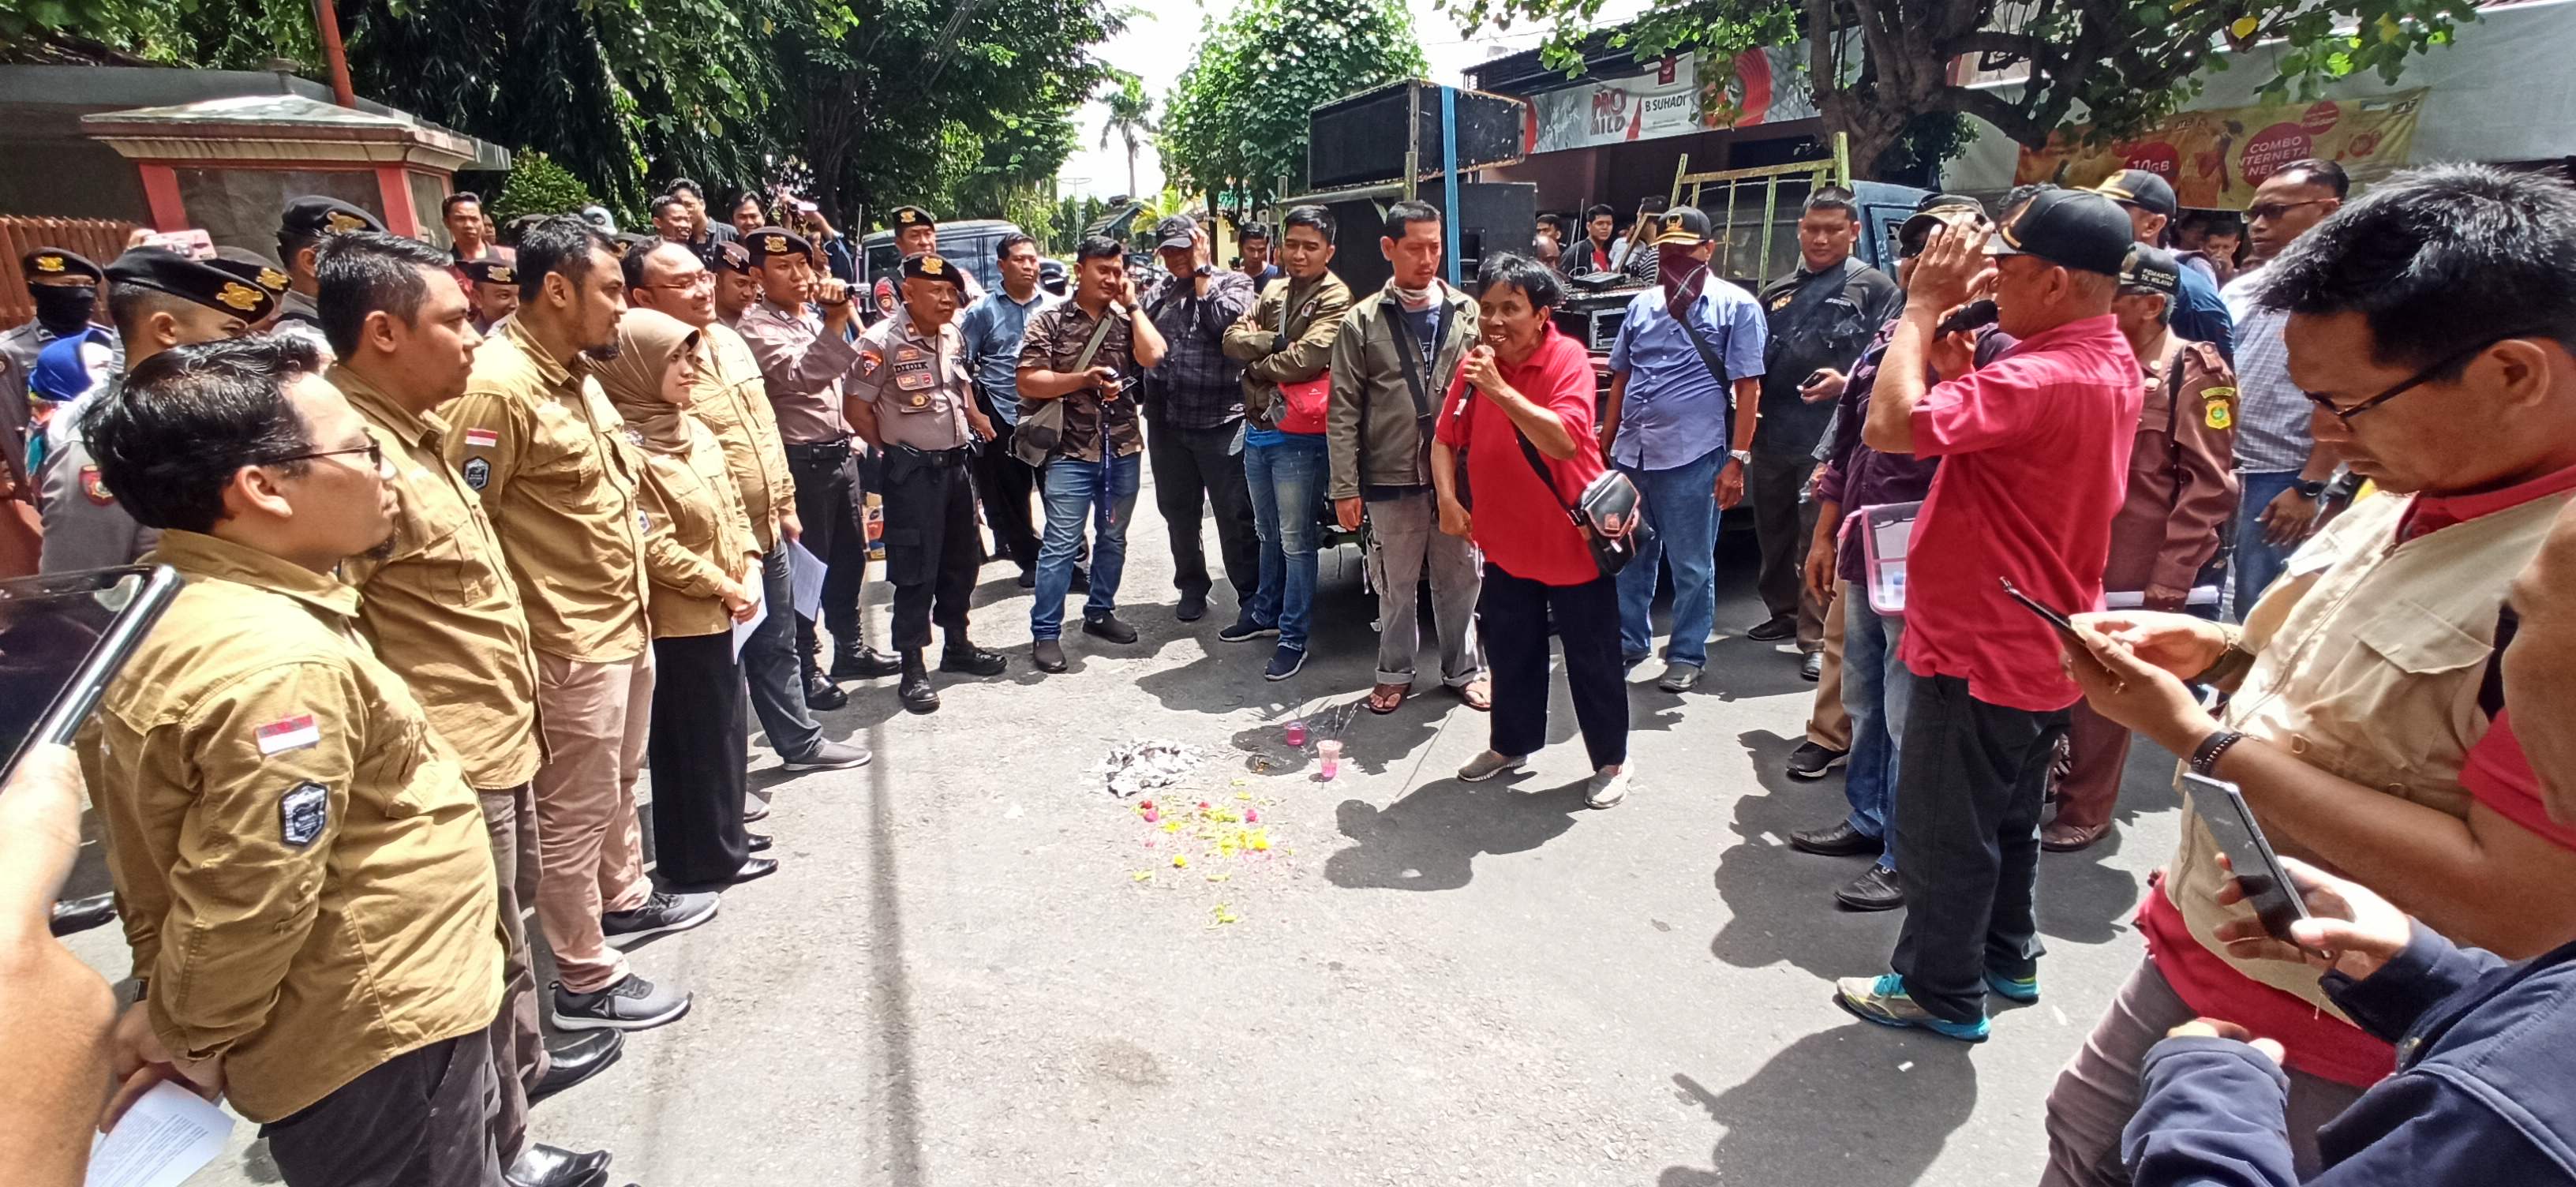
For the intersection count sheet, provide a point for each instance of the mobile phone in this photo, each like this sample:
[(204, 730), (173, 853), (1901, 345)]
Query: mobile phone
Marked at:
[(63, 636), (1971, 316), (2268, 889), (1813, 378), (2065, 629)]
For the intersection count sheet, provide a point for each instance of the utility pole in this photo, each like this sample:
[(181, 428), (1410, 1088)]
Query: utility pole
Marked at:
[(326, 17)]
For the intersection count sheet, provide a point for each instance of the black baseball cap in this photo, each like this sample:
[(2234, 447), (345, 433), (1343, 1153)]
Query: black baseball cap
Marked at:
[(2139, 188), (48, 262), (765, 242), (2151, 270), (1935, 210), (1681, 226), (933, 267), (197, 281), (1176, 231), (2078, 229)]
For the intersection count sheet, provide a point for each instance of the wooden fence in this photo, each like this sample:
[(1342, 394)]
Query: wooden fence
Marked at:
[(99, 239)]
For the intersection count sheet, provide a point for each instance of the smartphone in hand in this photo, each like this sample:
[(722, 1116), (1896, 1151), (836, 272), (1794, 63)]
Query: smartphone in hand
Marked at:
[(2065, 629), (2221, 806)]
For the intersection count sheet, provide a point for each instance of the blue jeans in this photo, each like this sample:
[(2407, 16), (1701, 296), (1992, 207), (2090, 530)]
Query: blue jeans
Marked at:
[(1681, 503), (1876, 686), (1076, 490), (1287, 482), (2258, 564)]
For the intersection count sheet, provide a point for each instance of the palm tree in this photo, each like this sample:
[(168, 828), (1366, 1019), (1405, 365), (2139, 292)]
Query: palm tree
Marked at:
[(1130, 119)]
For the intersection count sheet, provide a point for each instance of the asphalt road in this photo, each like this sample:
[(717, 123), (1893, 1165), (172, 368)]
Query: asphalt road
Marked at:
[(977, 967)]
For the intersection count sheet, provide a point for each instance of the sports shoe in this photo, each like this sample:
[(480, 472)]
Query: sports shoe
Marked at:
[(1284, 663), (664, 912), (1489, 764), (831, 756), (1883, 1000), (1608, 787), (1679, 678), (1245, 630), (1110, 627), (630, 1004), (2024, 990), (1811, 760)]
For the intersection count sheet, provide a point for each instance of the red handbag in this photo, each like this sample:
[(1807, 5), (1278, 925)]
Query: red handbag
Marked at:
[(1302, 404)]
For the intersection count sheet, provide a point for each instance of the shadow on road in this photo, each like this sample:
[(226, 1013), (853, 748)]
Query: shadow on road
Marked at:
[(1779, 901), (1429, 840), (1856, 1104)]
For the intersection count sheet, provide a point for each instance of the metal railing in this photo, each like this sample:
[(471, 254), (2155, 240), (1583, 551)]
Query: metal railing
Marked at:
[(1690, 188)]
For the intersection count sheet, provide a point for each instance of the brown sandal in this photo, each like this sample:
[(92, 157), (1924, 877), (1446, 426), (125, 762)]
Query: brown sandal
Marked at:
[(1478, 693), (2068, 838), (1387, 698)]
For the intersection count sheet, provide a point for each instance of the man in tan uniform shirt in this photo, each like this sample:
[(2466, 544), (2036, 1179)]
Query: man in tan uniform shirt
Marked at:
[(301, 868), (442, 611), (536, 440)]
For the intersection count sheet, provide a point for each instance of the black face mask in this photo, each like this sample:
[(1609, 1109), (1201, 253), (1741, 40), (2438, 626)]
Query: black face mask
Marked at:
[(64, 309)]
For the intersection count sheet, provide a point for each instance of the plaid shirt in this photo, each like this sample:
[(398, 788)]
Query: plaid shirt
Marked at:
[(1196, 386), (2271, 414)]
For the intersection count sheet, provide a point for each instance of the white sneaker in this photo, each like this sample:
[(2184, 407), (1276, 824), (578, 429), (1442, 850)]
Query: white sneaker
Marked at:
[(1608, 787)]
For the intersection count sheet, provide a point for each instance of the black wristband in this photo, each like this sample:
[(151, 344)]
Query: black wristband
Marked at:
[(2205, 756), (2308, 489)]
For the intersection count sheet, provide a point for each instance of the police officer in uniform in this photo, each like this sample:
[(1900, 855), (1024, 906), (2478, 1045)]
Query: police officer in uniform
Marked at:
[(493, 286), (916, 233), (912, 398), (160, 300), (259, 270), (64, 286), (299, 230), (804, 360)]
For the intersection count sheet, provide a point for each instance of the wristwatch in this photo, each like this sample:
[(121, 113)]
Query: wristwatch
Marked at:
[(1743, 457), (2308, 489)]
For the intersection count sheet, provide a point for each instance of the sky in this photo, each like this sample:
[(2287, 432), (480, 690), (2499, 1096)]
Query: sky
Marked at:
[(1160, 41)]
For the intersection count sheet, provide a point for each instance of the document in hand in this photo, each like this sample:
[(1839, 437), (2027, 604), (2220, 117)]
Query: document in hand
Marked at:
[(165, 1137)]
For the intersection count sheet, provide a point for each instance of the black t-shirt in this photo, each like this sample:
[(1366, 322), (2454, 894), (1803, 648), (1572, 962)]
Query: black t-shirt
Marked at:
[(1817, 319)]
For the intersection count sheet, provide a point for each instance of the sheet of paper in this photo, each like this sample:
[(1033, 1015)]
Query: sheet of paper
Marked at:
[(804, 580), (167, 1136), (2122, 599), (742, 630)]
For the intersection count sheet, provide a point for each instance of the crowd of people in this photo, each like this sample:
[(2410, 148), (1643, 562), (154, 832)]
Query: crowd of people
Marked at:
[(470, 532)]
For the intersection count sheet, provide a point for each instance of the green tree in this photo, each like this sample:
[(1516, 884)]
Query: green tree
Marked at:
[(1131, 120), (2118, 64), (1236, 121), (537, 185)]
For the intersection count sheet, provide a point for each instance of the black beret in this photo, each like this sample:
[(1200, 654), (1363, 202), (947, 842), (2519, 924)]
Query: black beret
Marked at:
[(491, 270), (765, 242), (933, 267), (629, 241), (253, 267), (196, 281), (314, 216), (913, 216), (54, 261), (729, 256)]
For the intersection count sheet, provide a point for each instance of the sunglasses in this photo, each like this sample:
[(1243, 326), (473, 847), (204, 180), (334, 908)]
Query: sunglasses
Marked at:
[(2272, 211), (2411, 382)]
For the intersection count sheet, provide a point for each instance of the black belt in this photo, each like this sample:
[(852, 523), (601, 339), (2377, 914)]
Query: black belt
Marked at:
[(944, 458), (840, 446)]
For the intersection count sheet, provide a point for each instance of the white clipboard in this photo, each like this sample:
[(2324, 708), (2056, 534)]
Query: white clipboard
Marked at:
[(1887, 534)]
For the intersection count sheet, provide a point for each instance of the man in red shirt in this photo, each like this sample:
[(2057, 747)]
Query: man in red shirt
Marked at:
[(2035, 450)]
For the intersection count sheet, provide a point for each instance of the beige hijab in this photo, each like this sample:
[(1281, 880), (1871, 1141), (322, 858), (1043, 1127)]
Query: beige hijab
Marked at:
[(647, 342)]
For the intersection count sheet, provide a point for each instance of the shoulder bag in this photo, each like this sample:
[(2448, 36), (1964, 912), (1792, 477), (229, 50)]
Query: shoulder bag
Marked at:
[(1041, 429), (1608, 516), (1417, 376), (1302, 404)]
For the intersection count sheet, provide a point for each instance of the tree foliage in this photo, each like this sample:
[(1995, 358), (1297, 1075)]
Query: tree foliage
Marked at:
[(536, 185), (1131, 120), (2118, 64), (1236, 122)]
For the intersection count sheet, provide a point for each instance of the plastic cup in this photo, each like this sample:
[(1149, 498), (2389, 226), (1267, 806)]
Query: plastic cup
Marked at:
[(1330, 750), (1297, 733)]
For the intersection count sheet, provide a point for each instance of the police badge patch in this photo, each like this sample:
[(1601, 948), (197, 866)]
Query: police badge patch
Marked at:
[(303, 814), (95, 487), (477, 472)]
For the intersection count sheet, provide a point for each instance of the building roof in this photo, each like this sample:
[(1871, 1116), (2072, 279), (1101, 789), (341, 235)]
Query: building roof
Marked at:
[(289, 127)]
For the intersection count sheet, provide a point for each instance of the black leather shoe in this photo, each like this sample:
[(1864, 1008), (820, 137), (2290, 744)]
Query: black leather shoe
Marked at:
[(821, 693), (547, 1166), (973, 661), (915, 692), (1812, 667), (1047, 654), (864, 663), (759, 843), (1110, 627), (1193, 607), (1028, 579), (1772, 630), (1841, 840), (574, 1060), (81, 914), (756, 867), (1874, 890)]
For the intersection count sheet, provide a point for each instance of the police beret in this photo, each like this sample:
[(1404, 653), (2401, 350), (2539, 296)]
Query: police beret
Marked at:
[(765, 242), (933, 267), (490, 270), (629, 241), (314, 216), (729, 256), (47, 262), (913, 216), (191, 280), (253, 267)]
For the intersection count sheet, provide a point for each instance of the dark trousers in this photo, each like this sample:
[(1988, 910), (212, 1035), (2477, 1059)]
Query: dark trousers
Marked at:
[(827, 505), (1781, 531), (423, 1117), (518, 1044), (769, 665), (698, 751), (1512, 617), (932, 551), (1194, 469), (1969, 782), (1005, 484)]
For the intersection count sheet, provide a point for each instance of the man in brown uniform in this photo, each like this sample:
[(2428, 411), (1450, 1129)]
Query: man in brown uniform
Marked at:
[(535, 439), (444, 614), (302, 870), (803, 359), (730, 401), (2182, 491), (911, 398)]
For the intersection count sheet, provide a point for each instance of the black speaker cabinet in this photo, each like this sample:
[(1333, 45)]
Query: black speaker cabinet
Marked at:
[(1493, 216), (1361, 140)]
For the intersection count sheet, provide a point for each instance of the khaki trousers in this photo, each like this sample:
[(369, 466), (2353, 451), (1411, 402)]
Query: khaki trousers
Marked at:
[(596, 718), (1828, 725), (518, 1045)]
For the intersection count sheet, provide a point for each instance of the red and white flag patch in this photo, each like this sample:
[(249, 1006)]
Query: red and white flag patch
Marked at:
[(482, 439), (294, 733)]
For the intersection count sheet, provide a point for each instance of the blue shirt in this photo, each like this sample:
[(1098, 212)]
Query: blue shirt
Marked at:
[(992, 327), (2199, 314), (1675, 411)]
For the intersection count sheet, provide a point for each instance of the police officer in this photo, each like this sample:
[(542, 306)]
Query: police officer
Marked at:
[(64, 286), (803, 360), (493, 286), (912, 398), (916, 233), (259, 270), (299, 230), (160, 300)]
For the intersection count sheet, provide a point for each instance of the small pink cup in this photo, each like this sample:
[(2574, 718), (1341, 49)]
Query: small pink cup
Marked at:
[(1330, 750)]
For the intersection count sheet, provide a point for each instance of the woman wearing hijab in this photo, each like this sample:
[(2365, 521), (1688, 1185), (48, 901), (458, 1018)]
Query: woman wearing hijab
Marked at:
[(698, 549)]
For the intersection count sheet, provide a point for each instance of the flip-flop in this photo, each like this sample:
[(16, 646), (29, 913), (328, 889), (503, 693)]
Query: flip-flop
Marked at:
[(1376, 702), (1477, 693)]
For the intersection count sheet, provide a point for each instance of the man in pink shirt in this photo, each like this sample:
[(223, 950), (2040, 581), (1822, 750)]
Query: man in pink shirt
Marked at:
[(2035, 450)]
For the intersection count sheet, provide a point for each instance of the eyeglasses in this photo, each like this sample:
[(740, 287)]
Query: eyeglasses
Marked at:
[(374, 449), (2272, 211), (2411, 382)]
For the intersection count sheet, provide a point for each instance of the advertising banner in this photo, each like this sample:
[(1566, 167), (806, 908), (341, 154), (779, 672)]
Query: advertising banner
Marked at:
[(1675, 97), (2215, 158)]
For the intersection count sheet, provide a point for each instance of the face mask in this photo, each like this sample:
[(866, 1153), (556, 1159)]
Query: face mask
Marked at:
[(1682, 274), (64, 309)]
